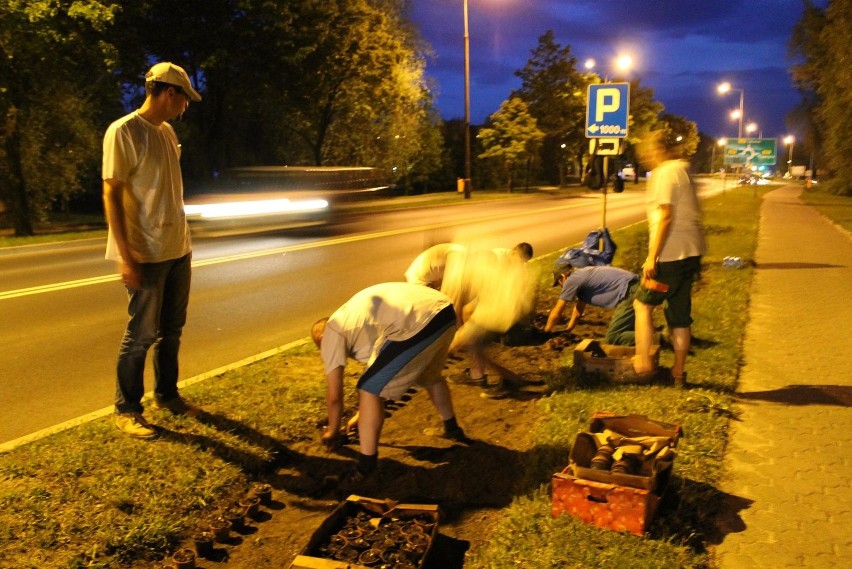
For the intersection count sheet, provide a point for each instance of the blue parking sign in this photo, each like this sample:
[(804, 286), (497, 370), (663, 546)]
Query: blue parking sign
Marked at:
[(607, 110)]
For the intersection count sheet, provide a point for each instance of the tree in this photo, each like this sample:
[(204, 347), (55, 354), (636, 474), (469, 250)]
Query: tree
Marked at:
[(512, 138), (822, 38), (298, 82), (427, 158), (680, 126), (644, 111), (293, 82), (54, 85), (556, 95)]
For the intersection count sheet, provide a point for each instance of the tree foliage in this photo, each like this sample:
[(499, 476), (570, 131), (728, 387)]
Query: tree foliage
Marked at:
[(512, 138), (556, 95), (682, 127), (53, 83), (296, 82), (822, 38)]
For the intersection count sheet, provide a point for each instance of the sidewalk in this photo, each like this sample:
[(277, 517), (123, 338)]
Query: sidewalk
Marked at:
[(789, 463)]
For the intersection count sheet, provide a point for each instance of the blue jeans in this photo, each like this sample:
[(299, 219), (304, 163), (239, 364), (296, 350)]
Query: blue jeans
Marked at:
[(157, 313)]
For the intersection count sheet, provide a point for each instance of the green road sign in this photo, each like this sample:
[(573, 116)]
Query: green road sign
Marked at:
[(750, 151)]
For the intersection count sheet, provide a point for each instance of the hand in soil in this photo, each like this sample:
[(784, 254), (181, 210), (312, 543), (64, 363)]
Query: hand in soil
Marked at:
[(332, 440)]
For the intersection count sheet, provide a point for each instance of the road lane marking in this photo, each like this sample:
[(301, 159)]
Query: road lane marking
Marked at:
[(7, 295)]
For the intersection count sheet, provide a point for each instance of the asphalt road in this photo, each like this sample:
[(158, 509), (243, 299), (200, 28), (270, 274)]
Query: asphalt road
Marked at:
[(62, 309)]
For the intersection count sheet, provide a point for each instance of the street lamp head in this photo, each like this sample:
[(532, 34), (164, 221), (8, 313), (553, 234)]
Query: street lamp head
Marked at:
[(789, 139), (724, 87), (589, 64), (722, 141), (624, 62), (735, 115), (751, 127)]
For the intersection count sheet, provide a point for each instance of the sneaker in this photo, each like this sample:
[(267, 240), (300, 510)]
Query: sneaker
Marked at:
[(496, 391), (456, 434), (134, 425), (357, 482), (465, 379), (179, 406), (451, 435)]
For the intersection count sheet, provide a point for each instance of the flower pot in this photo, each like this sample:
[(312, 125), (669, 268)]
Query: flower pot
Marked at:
[(264, 492), (220, 527), (236, 516), (204, 544), (184, 559), (251, 505)]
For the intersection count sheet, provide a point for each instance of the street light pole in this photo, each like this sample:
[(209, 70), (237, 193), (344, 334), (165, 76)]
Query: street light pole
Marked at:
[(789, 140), (467, 175), (742, 111), (724, 88)]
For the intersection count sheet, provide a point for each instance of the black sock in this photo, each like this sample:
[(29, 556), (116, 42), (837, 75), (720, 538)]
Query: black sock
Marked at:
[(451, 425), (367, 463)]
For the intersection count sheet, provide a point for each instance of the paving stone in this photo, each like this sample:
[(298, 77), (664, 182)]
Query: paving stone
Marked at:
[(790, 451)]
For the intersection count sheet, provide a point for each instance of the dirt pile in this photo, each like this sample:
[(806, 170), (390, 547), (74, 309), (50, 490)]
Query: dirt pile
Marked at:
[(470, 482)]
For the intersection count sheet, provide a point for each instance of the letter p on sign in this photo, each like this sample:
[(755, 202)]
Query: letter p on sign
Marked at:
[(607, 101)]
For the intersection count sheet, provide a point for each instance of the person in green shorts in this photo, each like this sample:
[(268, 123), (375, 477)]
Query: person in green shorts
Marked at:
[(675, 246), (601, 286)]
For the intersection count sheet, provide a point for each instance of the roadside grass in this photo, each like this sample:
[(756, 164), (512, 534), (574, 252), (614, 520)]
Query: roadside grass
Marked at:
[(834, 207), (89, 497), (527, 536), (60, 227), (67, 235)]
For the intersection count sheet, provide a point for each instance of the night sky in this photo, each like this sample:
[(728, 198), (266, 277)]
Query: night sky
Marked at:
[(681, 48)]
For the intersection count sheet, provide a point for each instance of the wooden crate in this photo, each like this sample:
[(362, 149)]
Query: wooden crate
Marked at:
[(614, 362), (608, 506), (310, 557), (621, 502)]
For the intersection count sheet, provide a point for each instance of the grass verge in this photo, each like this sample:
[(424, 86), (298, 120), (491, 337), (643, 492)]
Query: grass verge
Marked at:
[(834, 207), (529, 537), (89, 497)]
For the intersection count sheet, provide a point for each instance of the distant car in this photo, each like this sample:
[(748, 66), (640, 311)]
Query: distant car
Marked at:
[(628, 173)]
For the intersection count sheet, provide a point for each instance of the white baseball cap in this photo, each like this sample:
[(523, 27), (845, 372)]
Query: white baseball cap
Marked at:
[(173, 75)]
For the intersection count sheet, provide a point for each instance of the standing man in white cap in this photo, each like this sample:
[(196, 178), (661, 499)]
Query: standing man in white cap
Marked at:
[(149, 239)]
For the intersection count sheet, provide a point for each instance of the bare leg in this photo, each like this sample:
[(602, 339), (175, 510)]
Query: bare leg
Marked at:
[(681, 338), (478, 366), (371, 416), (644, 337), (441, 399)]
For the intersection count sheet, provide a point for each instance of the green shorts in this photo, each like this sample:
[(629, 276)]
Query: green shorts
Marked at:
[(679, 275)]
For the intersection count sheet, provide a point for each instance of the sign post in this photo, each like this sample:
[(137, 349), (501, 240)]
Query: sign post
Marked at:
[(607, 114)]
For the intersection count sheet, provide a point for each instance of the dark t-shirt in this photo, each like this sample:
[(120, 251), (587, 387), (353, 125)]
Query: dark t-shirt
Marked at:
[(599, 286)]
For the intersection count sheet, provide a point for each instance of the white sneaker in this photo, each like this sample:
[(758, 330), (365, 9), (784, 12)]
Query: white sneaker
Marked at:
[(134, 425)]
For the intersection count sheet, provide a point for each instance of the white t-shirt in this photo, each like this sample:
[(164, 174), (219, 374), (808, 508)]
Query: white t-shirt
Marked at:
[(670, 184), (147, 159), (382, 312), (428, 267)]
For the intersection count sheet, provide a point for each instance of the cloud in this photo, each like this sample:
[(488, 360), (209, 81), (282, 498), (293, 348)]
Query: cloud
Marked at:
[(682, 49)]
